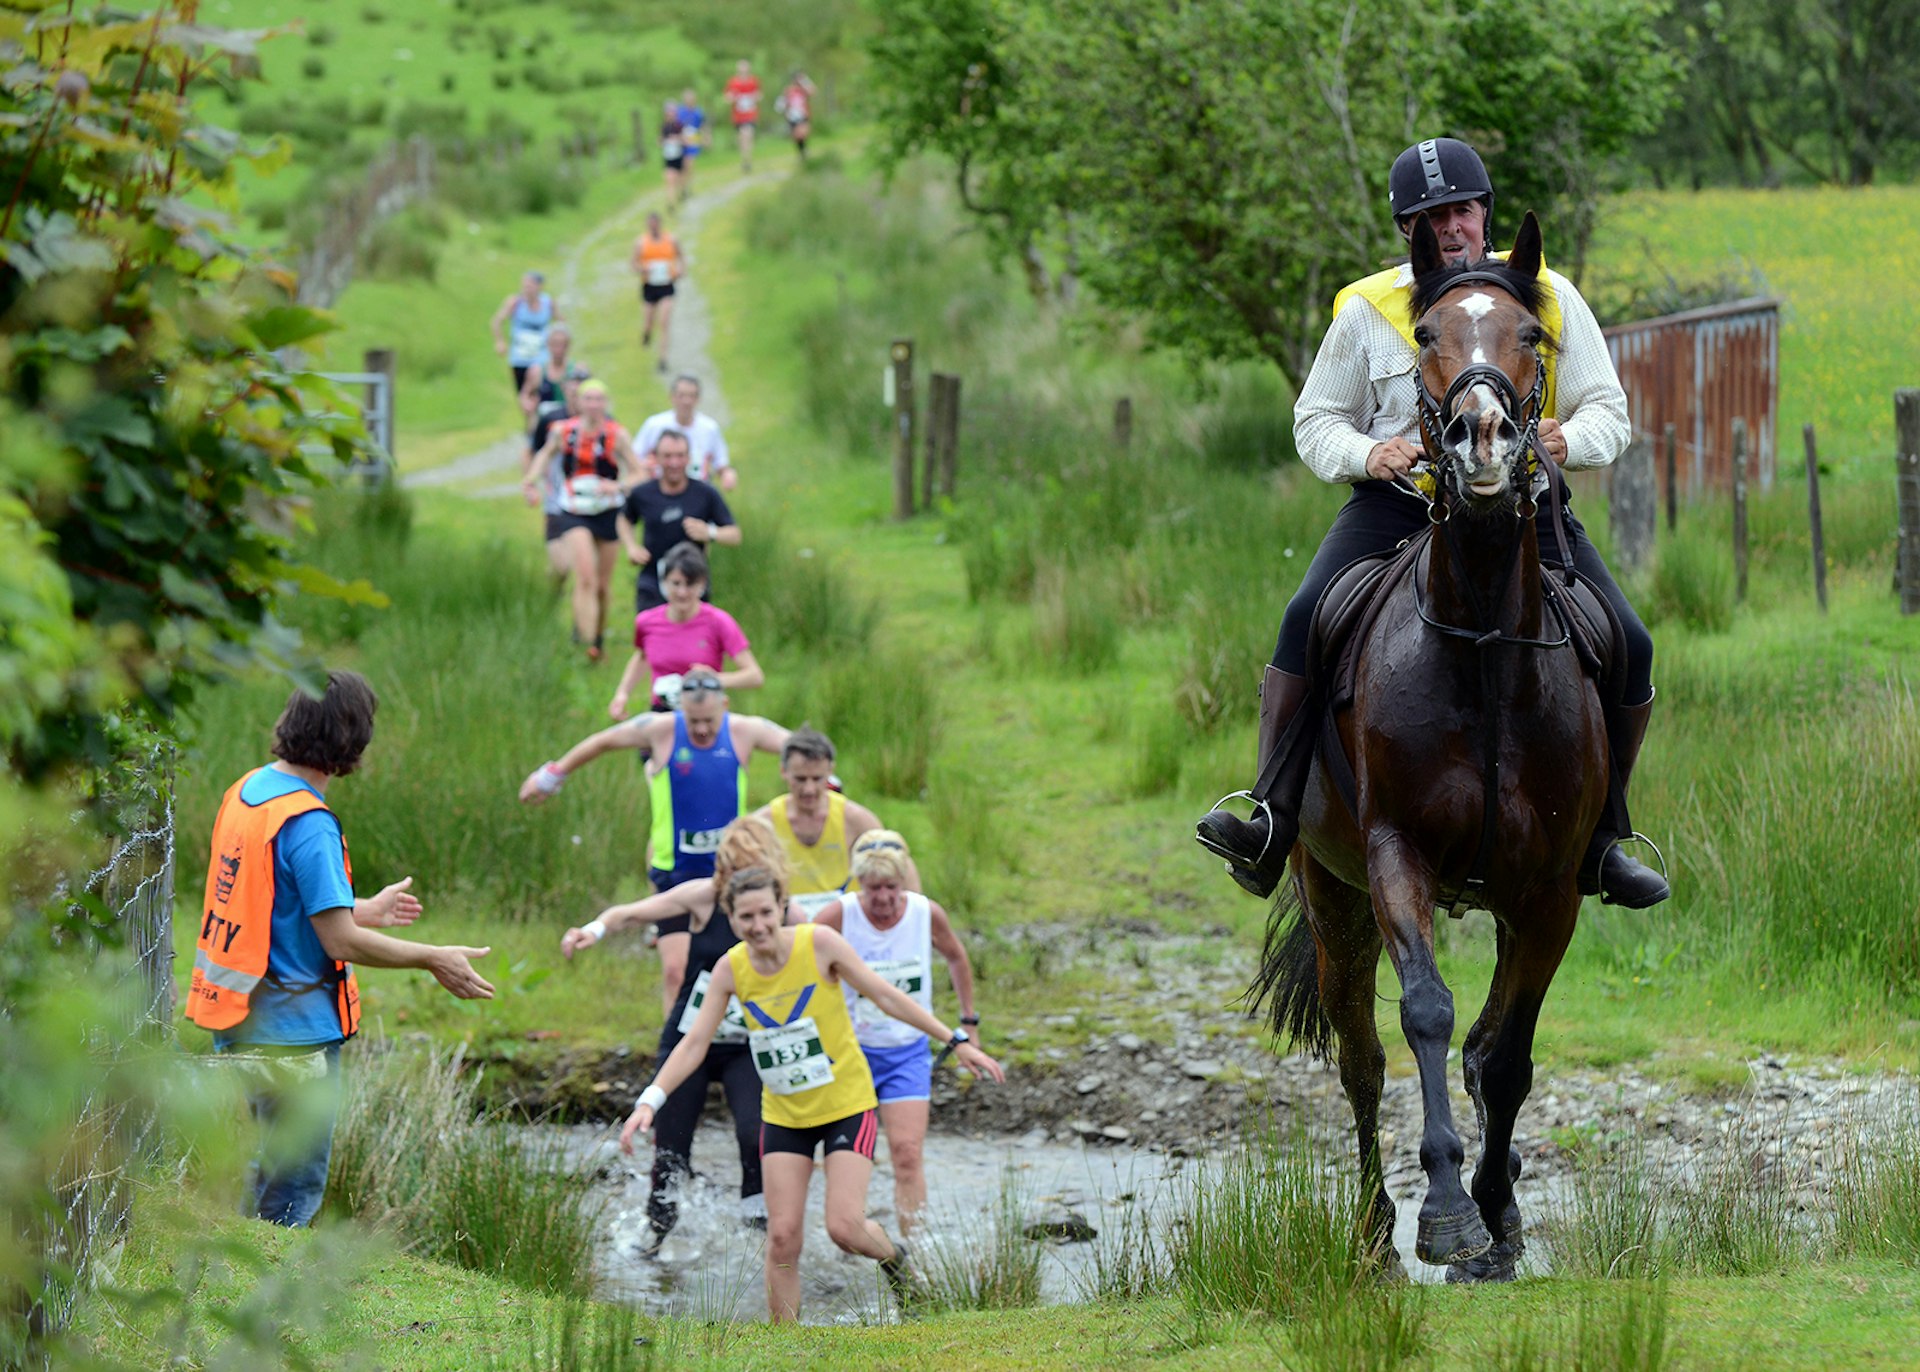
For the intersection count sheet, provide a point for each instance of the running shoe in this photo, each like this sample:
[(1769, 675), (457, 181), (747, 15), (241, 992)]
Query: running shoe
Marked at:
[(900, 1279)]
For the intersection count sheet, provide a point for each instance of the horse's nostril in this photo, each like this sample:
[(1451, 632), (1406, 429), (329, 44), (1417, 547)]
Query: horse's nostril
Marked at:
[(1457, 433)]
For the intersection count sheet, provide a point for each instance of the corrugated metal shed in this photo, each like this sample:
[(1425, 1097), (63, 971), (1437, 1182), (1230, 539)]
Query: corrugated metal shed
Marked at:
[(1699, 371)]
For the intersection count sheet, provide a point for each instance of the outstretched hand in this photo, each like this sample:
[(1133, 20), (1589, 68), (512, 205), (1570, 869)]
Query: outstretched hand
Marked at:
[(639, 1122), (454, 969), (393, 907), (979, 1063), (574, 940)]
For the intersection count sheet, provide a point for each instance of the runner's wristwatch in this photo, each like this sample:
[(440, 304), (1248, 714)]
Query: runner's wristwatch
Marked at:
[(960, 1036)]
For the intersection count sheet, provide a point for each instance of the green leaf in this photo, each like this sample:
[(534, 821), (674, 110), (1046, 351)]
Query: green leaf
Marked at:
[(284, 325), (313, 581)]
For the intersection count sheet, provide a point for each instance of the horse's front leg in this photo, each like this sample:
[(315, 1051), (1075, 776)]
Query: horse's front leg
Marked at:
[(1451, 1229), (1500, 1053)]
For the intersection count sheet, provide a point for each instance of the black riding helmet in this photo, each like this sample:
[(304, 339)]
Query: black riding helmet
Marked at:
[(1440, 171)]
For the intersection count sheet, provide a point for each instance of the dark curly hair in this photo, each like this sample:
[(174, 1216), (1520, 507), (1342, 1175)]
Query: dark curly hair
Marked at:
[(327, 733)]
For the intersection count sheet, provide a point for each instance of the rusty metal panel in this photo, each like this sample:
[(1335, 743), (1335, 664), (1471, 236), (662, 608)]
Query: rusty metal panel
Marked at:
[(1699, 371)]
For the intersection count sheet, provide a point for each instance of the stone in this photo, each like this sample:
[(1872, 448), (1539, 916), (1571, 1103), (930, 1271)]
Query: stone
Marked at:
[(1204, 1069), (1131, 1043), (1116, 1133), (1090, 1083), (1059, 1224)]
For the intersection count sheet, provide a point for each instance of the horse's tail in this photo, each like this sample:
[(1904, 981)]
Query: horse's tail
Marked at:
[(1288, 983)]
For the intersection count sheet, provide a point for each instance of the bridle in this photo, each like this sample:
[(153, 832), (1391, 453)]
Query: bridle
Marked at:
[(1436, 414)]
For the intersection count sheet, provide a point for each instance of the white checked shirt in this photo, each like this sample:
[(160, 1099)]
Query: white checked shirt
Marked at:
[(1363, 390)]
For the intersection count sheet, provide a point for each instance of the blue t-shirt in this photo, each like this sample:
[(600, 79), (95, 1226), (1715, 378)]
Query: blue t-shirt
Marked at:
[(309, 877), (693, 119)]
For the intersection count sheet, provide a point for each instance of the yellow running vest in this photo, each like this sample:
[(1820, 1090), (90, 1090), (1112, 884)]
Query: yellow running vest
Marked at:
[(817, 868), (780, 1012), (1384, 291)]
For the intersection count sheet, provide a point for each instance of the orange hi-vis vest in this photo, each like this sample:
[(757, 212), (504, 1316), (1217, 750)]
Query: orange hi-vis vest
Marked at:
[(237, 931)]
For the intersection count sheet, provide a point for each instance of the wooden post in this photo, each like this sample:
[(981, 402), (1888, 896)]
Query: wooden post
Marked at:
[(950, 438), (1123, 423), (639, 140), (1635, 504), (379, 361), (1739, 508), (1814, 524), (1906, 424), (903, 428), (930, 450), (1672, 440)]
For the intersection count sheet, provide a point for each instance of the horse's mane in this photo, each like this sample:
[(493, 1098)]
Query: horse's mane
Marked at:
[(1429, 288)]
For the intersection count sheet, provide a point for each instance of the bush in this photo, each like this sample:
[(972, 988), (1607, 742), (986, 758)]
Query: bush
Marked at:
[(312, 68), (1076, 619), (882, 712), (1162, 743), (320, 35), (399, 249), (1249, 427), (1693, 584)]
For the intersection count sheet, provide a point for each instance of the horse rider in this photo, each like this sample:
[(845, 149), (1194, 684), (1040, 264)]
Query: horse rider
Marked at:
[(1357, 422)]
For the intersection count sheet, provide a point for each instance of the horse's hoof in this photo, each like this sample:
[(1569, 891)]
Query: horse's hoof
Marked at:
[(1498, 1264), (1447, 1239)]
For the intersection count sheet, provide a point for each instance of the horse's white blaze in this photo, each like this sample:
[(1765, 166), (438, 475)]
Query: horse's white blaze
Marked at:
[(1480, 357), (1477, 305)]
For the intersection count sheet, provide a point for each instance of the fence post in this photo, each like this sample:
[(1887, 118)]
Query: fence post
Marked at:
[(1123, 423), (1672, 441), (903, 428), (930, 450), (1635, 504), (950, 438), (380, 361), (1906, 423), (1739, 509), (1814, 524)]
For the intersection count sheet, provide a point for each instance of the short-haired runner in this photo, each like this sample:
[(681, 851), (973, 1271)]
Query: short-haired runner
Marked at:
[(541, 384), (696, 768), (746, 843), (596, 461), (557, 400), (658, 262), (673, 152), (796, 107), (743, 98), (817, 825), (672, 640), (532, 312), (671, 509), (896, 931), (693, 136), (707, 456), (816, 1090)]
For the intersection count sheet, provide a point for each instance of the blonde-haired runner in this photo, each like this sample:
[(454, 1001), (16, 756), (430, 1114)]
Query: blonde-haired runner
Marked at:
[(748, 842), (816, 1090), (896, 930)]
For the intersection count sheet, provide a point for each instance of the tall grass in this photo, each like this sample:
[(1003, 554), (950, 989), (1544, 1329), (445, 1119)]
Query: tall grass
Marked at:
[(1613, 1219), (1877, 1210), (1129, 1259), (584, 1336), (980, 1261), (1621, 1330), (413, 1158), (1076, 620)]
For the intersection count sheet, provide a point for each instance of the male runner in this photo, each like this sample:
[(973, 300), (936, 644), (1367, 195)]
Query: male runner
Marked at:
[(672, 509), (743, 97), (693, 136), (697, 785), (817, 825), (564, 404), (659, 264), (708, 459)]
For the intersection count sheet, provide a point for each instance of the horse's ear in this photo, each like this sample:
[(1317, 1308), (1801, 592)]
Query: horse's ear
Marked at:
[(1525, 257), (1425, 244)]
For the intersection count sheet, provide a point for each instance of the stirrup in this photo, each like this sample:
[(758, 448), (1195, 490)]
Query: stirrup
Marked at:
[(1637, 837), (1259, 804)]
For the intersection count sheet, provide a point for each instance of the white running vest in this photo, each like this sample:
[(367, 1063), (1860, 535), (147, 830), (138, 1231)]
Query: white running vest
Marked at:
[(902, 955)]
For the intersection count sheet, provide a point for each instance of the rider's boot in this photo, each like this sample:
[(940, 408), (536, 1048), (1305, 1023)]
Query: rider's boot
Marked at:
[(1256, 849), (1618, 877)]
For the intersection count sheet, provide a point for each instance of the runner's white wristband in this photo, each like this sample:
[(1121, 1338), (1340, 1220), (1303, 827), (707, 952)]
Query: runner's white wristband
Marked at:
[(596, 927), (546, 780), (653, 1098)]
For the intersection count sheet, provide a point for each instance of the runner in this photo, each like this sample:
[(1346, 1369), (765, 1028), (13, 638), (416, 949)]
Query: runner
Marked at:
[(672, 640), (816, 1089), (743, 97), (673, 153), (273, 976), (659, 264), (595, 459), (532, 312), (817, 825), (746, 843), (709, 459), (541, 384), (796, 105), (693, 136), (545, 415), (896, 931), (670, 510), (697, 785)]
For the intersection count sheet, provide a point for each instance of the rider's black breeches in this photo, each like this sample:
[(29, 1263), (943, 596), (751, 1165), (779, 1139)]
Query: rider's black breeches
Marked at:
[(1378, 515)]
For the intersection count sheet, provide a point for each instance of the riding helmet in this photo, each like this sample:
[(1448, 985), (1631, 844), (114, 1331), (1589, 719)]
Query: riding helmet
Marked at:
[(1440, 171)]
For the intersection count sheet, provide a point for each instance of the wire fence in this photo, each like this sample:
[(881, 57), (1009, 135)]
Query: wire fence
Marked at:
[(116, 1129)]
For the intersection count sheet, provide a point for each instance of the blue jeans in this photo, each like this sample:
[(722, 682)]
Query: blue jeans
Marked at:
[(289, 1174)]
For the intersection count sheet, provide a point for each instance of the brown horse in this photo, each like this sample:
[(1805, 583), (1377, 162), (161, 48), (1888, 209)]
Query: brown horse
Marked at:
[(1479, 767)]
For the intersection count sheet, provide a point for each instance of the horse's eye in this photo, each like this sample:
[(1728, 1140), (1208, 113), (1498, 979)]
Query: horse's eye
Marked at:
[(1422, 335), (1530, 335)]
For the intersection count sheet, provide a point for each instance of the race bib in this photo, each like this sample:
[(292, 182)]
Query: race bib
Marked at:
[(527, 346), (733, 1024), (814, 902), (790, 1058), (908, 975), (590, 495), (671, 148), (659, 273), (700, 842)]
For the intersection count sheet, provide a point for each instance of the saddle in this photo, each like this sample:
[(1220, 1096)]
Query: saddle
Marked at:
[(1344, 619)]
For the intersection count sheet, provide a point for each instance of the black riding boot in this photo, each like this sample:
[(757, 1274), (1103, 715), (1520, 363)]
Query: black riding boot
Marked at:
[(1256, 849), (1619, 878)]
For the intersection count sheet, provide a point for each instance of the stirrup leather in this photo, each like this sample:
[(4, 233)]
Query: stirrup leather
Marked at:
[(1259, 805)]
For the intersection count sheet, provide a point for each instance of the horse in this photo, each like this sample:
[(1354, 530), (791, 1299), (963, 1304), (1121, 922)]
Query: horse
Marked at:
[(1478, 766)]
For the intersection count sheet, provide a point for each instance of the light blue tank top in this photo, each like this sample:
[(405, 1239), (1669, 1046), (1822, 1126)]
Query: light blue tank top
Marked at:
[(528, 326)]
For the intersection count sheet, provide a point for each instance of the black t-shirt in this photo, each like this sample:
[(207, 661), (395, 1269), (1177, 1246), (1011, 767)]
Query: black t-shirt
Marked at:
[(661, 518)]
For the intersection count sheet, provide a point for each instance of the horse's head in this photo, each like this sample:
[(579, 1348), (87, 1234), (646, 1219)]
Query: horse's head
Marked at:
[(1481, 379)]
